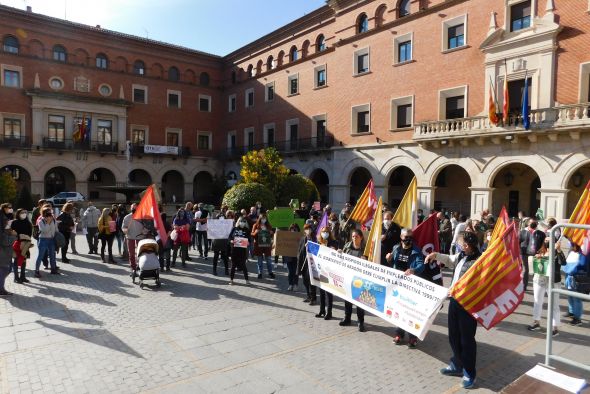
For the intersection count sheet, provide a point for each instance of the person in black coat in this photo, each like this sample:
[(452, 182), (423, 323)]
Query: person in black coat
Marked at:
[(302, 266), (65, 226), (531, 240), (240, 239), (390, 236), (24, 232)]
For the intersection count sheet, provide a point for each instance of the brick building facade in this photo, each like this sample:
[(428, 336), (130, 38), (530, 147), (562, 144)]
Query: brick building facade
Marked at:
[(356, 89)]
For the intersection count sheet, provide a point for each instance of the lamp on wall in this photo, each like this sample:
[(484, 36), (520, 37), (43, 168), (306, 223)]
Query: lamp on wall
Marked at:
[(577, 179), (508, 178)]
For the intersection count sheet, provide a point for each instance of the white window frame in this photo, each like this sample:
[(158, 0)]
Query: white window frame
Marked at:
[(288, 124), (208, 134), (397, 41), (357, 53), (178, 93), (170, 130), (446, 25), (316, 71), (584, 82), (247, 92), (314, 126), (17, 69), (233, 97), (247, 130), (208, 98), (265, 129), (354, 118), (229, 135), (395, 103), (289, 79), (508, 15), (268, 85), (11, 115), (145, 128), (145, 93), (443, 94)]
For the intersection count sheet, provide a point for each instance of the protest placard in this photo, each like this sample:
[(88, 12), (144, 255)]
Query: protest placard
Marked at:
[(408, 302), (280, 217), (286, 243), (219, 228)]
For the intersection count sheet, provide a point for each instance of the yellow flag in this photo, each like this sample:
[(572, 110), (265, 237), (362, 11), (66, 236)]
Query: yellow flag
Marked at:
[(406, 215), (373, 248)]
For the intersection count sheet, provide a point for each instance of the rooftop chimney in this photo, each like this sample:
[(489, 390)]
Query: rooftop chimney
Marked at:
[(29, 8)]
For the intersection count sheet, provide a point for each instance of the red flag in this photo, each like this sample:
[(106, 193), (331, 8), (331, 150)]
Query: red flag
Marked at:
[(426, 235), (148, 209), (501, 224), (492, 287), (492, 111), (506, 105)]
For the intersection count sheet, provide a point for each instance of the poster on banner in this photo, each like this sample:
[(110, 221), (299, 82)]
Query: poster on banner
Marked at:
[(408, 302), (219, 228)]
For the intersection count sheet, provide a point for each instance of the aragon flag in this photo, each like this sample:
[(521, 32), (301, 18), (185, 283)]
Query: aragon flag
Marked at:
[(581, 215), (148, 209), (501, 224), (373, 247), (365, 206), (492, 288)]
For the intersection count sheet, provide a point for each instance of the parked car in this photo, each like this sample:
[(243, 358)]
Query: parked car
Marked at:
[(61, 198)]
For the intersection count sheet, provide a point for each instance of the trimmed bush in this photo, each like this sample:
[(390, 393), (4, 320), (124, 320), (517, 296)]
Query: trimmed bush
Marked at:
[(245, 195), (299, 187)]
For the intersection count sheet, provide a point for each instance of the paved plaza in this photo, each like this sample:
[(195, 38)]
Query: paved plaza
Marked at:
[(92, 331)]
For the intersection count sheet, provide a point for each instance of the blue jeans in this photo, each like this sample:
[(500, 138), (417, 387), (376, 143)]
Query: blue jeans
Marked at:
[(292, 268), (575, 306), (268, 264), (46, 245)]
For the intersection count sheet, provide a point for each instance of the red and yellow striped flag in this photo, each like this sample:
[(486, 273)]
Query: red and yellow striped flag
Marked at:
[(501, 224), (373, 247), (492, 288), (365, 206), (492, 111), (581, 215), (506, 104)]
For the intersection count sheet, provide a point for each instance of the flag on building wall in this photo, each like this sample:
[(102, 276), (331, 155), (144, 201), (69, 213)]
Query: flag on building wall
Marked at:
[(406, 215), (506, 104), (147, 209), (581, 215), (373, 247), (526, 122), (493, 111), (501, 224), (364, 210), (492, 287)]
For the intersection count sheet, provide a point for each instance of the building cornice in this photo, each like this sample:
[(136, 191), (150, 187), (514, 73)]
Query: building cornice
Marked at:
[(77, 98)]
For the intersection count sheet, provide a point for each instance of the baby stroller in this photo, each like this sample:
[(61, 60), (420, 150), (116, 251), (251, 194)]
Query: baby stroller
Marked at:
[(148, 264)]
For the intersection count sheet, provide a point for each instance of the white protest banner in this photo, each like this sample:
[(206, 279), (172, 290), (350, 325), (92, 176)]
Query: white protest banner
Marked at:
[(408, 302), (161, 149), (219, 228)]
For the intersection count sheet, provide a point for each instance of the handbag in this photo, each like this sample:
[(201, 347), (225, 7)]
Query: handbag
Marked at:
[(59, 239), (582, 283)]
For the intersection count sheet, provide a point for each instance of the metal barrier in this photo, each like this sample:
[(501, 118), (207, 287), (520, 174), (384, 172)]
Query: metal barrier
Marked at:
[(552, 293)]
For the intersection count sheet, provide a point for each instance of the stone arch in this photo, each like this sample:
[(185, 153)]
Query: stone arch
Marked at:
[(56, 163), (320, 43), (516, 185), (172, 189), (362, 23), (204, 79), (305, 48), (259, 66), (81, 56), (101, 176), (157, 70), (358, 162), (569, 167), (249, 71), (492, 168), (87, 171), (452, 193), (36, 48), (317, 165), (398, 181), (293, 54), (202, 183), (280, 58), (21, 176), (269, 63), (438, 165), (139, 176), (59, 179), (121, 64), (380, 15), (24, 164), (321, 180), (190, 76), (401, 160), (357, 181)]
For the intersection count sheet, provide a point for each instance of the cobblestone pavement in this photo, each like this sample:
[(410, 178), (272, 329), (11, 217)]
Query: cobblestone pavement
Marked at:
[(92, 331)]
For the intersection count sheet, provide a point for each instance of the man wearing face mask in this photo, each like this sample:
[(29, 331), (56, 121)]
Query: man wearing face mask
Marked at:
[(531, 240), (201, 229), (390, 236), (407, 258)]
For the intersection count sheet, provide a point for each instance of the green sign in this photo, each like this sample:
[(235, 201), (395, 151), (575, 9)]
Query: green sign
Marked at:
[(294, 203), (540, 215), (540, 265), (281, 217)]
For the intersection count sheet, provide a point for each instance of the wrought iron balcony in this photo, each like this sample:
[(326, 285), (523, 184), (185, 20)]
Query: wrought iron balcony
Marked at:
[(547, 120), (68, 144), (314, 144), (8, 141)]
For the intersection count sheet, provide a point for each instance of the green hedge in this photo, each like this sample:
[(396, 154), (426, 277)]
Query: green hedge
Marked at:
[(299, 187), (245, 195)]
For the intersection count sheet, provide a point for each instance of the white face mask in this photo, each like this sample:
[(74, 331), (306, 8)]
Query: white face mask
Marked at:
[(489, 237), (325, 235), (387, 223), (243, 224), (263, 221), (22, 216)]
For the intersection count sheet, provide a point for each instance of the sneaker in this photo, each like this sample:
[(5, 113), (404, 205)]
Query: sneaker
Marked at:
[(344, 322), (5, 293), (450, 371), (534, 327), (468, 383), (271, 275), (306, 300), (554, 333), (568, 314), (313, 302), (231, 282), (24, 280), (397, 340), (575, 322), (412, 343)]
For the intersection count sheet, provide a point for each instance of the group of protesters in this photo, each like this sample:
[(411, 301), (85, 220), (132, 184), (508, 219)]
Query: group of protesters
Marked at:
[(461, 240)]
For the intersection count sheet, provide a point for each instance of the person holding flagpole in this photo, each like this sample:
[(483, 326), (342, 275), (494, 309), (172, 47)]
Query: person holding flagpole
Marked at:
[(356, 248), (326, 239)]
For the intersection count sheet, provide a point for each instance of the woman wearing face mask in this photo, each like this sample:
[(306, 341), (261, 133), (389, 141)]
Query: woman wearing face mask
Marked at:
[(326, 239), (356, 248), (291, 263), (302, 268), (47, 229), (239, 238), (66, 226), (262, 233), (7, 238), (106, 234), (24, 231), (181, 224), (486, 241)]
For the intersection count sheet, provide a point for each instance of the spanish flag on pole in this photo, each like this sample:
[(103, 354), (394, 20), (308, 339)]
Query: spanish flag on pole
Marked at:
[(364, 210), (581, 215), (493, 112), (492, 288), (373, 248), (501, 224), (406, 215), (506, 105)]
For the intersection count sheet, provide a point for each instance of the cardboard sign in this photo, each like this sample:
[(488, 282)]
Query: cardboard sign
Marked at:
[(240, 242), (264, 239), (286, 243)]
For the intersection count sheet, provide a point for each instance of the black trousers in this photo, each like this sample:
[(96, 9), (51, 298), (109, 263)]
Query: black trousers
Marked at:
[(92, 239), (216, 255), (360, 312), (107, 242), (323, 295), (311, 289), (238, 260), (462, 327), (202, 243), (525, 276), (164, 258), (64, 250)]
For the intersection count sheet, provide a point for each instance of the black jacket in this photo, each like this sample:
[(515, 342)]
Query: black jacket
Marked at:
[(537, 238)]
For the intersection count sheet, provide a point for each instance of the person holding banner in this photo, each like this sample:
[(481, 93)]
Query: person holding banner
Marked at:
[(390, 236), (302, 266), (461, 324), (262, 233), (407, 258), (326, 239), (239, 238), (356, 248)]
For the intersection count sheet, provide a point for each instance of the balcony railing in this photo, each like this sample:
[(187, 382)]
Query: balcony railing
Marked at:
[(540, 119), (289, 146), (8, 141), (66, 144)]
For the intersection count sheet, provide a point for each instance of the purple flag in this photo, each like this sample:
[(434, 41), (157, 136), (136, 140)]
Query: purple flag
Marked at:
[(323, 223)]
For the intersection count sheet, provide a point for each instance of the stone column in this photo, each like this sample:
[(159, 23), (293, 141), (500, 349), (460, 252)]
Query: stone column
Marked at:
[(425, 198), (82, 187), (338, 196), (481, 198), (122, 132), (188, 194), (554, 202)]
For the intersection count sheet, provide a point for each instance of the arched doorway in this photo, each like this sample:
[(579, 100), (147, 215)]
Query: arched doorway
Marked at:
[(59, 179), (399, 180), (21, 177), (322, 182), (202, 187), (452, 193), (101, 177), (140, 177), (576, 185), (359, 178), (172, 187), (517, 187)]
